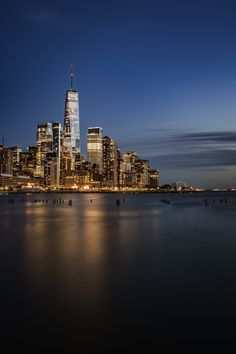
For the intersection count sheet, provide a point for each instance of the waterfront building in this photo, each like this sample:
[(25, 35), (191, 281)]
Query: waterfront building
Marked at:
[(6, 160), (79, 179), (154, 177), (71, 126), (57, 133), (110, 158), (95, 150), (135, 171), (44, 146), (51, 170), (8, 180), (119, 168), (1, 158), (141, 173), (15, 159), (128, 169), (28, 162)]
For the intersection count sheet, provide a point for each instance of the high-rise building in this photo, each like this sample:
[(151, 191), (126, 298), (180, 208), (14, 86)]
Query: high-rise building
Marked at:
[(119, 168), (16, 150), (51, 170), (94, 147), (28, 161), (57, 134), (1, 158), (110, 167), (71, 125), (154, 177), (44, 145), (142, 177), (128, 168), (6, 160)]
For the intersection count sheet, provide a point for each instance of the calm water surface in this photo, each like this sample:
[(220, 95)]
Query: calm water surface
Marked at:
[(97, 277)]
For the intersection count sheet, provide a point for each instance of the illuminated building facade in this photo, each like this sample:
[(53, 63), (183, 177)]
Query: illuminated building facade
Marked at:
[(110, 158), (44, 146), (141, 173), (154, 178), (15, 152), (57, 134), (119, 168), (51, 176), (1, 158), (8, 180), (6, 160), (28, 161), (128, 168), (95, 148), (71, 127)]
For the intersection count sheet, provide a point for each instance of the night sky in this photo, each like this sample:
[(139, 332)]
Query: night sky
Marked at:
[(158, 76)]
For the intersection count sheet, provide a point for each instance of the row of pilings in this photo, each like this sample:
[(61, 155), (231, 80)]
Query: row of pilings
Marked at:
[(40, 201), (215, 201), (206, 202), (54, 201)]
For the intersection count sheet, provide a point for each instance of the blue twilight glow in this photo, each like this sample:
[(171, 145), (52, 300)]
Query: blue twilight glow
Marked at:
[(158, 75)]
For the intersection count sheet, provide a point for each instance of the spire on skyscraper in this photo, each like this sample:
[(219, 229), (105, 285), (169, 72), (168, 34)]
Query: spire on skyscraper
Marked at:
[(71, 76), (71, 121)]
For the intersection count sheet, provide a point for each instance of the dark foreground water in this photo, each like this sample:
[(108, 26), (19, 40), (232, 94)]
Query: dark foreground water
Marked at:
[(97, 277)]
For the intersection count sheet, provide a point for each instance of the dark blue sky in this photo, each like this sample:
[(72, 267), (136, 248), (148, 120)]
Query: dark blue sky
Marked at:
[(158, 76)]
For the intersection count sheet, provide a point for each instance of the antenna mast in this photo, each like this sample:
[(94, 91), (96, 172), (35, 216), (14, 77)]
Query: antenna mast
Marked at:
[(71, 76)]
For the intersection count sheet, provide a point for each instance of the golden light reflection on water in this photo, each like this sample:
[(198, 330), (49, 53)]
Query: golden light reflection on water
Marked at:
[(75, 241), (75, 252), (67, 233), (64, 242)]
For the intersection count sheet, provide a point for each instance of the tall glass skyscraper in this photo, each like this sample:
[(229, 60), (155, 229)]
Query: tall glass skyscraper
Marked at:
[(57, 149), (44, 145), (110, 162), (71, 123), (94, 147)]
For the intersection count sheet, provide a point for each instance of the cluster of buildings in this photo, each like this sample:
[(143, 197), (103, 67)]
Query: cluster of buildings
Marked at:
[(56, 162)]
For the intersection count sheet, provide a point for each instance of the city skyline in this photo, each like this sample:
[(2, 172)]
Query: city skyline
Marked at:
[(159, 77), (56, 162)]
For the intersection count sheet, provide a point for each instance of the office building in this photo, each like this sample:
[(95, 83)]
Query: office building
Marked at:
[(6, 160), (44, 146), (110, 158), (95, 148), (71, 126), (57, 134), (154, 177), (128, 169), (51, 170), (141, 173)]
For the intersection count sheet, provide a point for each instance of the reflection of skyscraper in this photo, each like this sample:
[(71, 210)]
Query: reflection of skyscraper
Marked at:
[(71, 124), (94, 147)]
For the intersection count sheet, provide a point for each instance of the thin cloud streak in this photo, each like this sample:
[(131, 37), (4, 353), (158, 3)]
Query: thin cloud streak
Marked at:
[(214, 158), (187, 150), (223, 137)]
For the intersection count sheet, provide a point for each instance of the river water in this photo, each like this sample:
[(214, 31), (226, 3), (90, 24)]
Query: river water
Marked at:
[(95, 276)]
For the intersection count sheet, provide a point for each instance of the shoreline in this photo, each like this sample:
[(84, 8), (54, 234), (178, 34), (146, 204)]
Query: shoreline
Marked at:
[(113, 192)]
